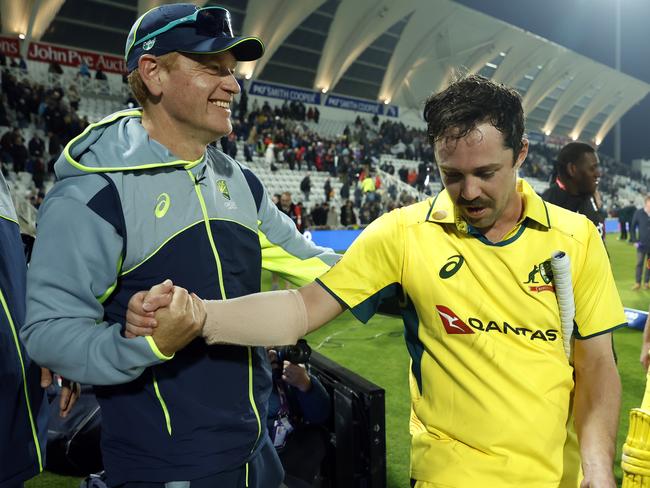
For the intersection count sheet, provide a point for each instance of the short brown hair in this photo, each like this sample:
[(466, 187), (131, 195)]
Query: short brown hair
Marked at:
[(137, 86), (469, 101)]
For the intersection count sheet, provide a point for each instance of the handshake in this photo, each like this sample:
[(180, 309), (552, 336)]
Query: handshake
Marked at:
[(171, 315), (174, 318)]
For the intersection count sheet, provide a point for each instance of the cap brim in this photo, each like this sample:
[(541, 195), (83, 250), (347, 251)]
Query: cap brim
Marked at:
[(243, 48)]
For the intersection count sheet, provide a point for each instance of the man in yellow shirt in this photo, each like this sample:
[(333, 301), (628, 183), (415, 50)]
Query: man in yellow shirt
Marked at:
[(490, 382)]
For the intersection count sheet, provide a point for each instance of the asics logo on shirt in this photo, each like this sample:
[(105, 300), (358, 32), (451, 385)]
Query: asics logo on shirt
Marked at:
[(452, 323), (452, 266), (163, 203)]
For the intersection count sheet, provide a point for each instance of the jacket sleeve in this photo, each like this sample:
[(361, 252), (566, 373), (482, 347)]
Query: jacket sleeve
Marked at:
[(315, 404), (74, 268), (285, 250)]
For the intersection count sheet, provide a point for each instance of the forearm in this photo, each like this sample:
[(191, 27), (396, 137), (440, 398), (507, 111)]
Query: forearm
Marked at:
[(86, 352), (262, 319), (315, 403), (597, 406), (269, 319), (646, 330)]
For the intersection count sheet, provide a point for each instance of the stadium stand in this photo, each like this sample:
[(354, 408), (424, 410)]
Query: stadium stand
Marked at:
[(396, 62), (281, 143)]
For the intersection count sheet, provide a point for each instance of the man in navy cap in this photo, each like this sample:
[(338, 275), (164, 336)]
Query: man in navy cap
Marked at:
[(142, 196)]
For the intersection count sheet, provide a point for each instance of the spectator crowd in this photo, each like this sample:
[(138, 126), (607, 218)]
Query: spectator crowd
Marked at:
[(41, 119)]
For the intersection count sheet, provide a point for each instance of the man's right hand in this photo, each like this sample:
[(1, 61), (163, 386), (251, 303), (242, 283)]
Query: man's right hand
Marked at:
[(179, 323), (645, 359), (140, 319)]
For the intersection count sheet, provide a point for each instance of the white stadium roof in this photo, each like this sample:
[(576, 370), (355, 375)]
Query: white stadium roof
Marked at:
[(397, 52)]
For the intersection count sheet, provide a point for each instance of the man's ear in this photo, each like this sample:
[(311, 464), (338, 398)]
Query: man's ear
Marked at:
[(523, 152), (150, 70), (571, 169)]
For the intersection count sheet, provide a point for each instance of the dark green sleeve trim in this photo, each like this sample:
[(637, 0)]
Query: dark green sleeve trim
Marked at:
[(367, 308), (336, 297), (578, 336)]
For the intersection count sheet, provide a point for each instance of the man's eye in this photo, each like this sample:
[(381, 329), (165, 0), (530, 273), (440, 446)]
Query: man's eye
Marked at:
[(486, 176)]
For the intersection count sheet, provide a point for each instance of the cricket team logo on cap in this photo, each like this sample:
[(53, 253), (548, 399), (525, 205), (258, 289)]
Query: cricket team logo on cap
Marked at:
[(147, 45), (452, 322), (223, 188)]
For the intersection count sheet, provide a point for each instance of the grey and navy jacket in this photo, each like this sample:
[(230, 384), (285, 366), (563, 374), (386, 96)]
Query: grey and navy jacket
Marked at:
[(124, 215), (23, 410)]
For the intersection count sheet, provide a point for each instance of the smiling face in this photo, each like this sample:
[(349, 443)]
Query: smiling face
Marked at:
[(197, 91), (480, 175), (586, 173)]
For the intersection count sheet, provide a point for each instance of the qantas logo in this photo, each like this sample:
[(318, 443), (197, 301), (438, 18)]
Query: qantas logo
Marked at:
[(453, 324)]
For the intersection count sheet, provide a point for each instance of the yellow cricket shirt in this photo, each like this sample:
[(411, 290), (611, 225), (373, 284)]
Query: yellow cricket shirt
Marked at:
[(490, 382)]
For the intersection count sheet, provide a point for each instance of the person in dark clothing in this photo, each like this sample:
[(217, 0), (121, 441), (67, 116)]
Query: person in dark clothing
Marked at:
[(347, 214), (290, 209), (625, 216), (319, 214), (22, 405), (305, 187), (229, 145), (576, 185), (4, 119), (243, 105), (19, 154), (403, 173), (36, 146), (345, 191), (298, 405), (641, 223), (6, 144), (55, 68), (327, 188), (204, 426), (24, 411)]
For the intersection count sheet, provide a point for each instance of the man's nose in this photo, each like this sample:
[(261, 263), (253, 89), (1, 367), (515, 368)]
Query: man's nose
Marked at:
[(471, 188)]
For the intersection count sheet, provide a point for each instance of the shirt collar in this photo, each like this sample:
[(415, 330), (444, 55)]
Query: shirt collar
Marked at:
[(442, 209)]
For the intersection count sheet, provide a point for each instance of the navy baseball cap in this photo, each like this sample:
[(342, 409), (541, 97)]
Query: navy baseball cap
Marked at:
[(186, 28)]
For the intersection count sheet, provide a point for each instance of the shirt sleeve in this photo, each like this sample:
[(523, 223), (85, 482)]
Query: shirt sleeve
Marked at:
[(286, 251), (598, 305), (74, 267), (371, 269)]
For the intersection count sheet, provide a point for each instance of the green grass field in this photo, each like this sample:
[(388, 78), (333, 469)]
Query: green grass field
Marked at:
[(376, 351)]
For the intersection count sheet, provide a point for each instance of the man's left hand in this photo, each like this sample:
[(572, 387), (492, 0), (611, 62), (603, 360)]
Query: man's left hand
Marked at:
[(70, 391), (602, 479), (296, 375)]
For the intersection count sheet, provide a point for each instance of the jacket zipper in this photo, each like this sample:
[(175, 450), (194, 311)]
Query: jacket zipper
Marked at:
[(32, 424), (206, 220), (163, 405)]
